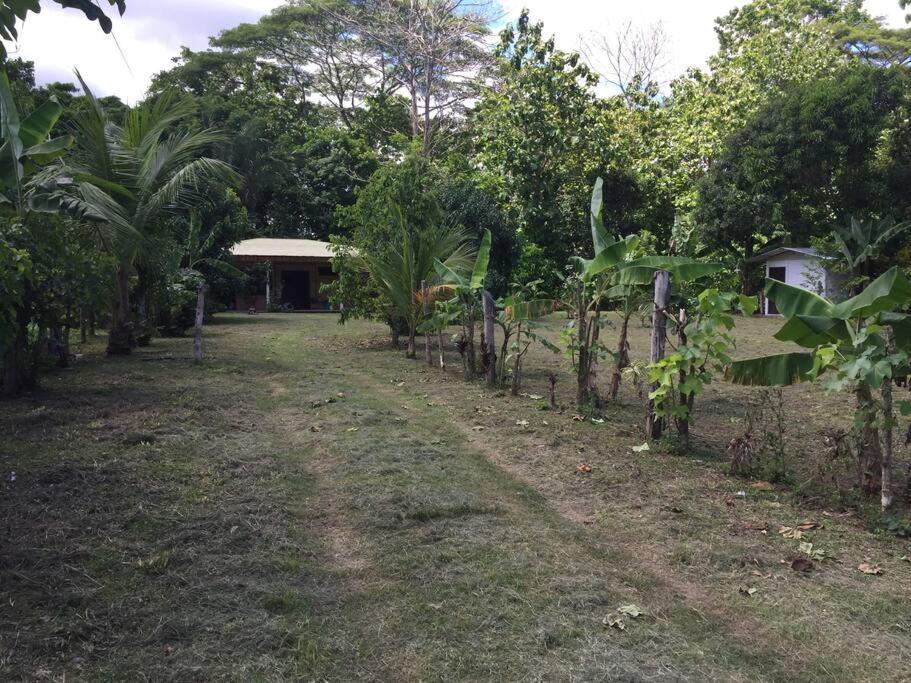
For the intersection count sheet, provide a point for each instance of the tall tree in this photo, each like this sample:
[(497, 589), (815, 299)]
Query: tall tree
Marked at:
[(125, 177), (814, 156)]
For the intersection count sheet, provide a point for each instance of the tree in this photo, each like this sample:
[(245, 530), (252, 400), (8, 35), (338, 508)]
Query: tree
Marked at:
[(436, 49), (533, 134), (765, 48), (402, 268), (630, 58), (124, 178), (822, 149)]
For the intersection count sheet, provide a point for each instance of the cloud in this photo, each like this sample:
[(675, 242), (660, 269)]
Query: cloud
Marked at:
[(144, 41), (151, 33)]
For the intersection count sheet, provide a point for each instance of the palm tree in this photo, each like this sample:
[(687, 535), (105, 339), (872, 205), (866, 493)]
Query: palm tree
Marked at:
[(400, 269), (124, 178)]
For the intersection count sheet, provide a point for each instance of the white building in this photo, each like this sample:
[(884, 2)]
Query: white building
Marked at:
[(801, 267)]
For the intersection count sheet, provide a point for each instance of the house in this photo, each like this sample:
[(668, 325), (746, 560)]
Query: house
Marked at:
[(801, 267), (297, 269)]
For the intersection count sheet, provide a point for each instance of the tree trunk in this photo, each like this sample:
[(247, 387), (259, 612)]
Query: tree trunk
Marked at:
[(490, 346), (394, 331), (582, 339), (866, 441), (200, 316), (683, 422), (83, 327), (411, 349), (425, 303), (654, 425), (888, 419), (120, 337), (622, 358), (472, 367), (442, 356), (888, 416)]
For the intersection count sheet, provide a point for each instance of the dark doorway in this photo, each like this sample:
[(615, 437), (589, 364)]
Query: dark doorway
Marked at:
[(775, 273), (296, 288)]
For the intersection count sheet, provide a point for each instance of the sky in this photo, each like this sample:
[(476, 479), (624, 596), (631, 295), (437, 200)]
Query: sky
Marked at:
[(151, 33)]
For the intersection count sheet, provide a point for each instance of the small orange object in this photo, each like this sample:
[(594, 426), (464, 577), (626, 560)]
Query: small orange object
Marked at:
[(583, 467)]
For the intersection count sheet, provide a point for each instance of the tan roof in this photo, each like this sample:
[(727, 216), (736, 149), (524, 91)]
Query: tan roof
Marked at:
[(269, 247)]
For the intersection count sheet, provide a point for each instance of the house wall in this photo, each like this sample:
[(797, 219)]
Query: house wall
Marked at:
[(318, 271), (804, 272)]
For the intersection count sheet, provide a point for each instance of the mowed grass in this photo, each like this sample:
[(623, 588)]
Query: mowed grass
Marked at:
[(307, 504)]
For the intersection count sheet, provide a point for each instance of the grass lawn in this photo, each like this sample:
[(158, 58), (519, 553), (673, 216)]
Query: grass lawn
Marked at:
[(308, 504)]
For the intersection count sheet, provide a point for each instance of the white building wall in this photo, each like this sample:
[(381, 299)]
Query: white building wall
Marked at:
[(805, 272)]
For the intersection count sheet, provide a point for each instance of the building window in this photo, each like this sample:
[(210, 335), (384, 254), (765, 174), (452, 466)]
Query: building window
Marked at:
[(325, 271)]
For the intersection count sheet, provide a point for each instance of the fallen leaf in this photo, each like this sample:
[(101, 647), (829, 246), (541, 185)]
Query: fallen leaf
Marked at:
[(583, 467), (597, 420), (630, 610), (747, 590), (399, 384), (904, 558), (478, 428), (790, 532), (868, 568), (640, 449), (578, 418), (315, 428), (522, 423), (762, 486), (535, 397), (614, 620), (352, 429)]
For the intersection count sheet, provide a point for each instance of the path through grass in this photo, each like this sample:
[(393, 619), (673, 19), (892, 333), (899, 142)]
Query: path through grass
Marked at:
[(310, 505)]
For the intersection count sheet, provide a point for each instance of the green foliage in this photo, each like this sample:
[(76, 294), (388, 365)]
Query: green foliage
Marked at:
[(818, 150), (704, 349)]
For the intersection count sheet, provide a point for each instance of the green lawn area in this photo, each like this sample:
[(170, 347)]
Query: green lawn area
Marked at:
[(309, 504)]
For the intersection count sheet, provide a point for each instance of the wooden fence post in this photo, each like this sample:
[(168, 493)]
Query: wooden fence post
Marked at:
[(490, 346), (425, 302), (654, 425)]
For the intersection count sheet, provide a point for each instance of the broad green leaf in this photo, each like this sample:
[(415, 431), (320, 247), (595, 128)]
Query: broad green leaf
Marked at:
[(46, 152), (610, 256), (792, 300), (38, 125), (11, 150), (889, 290), (748, 304), (810, 331), (448, 275), (479, 274), (600, 238), (778, 370)]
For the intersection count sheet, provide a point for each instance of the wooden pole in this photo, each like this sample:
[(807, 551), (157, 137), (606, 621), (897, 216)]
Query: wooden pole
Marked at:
[(197, 329), (425, 302), (490, 347), (654, 425)]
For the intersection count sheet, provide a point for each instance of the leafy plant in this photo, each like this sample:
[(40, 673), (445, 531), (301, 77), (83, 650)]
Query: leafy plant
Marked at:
[(862, 344), (704, 345)]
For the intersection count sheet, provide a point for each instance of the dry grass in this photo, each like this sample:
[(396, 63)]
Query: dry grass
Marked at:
[(308, 505)]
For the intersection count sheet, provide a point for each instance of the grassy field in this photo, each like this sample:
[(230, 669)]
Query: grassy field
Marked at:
[(308, 504)]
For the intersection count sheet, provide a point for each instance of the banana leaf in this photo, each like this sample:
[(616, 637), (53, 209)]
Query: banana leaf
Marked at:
[(779, 370), (479, 273), (889, 290)]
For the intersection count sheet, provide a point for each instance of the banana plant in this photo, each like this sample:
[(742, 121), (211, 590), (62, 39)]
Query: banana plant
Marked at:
[(862, 343), (27, 145), (520, 321), (467, 292)]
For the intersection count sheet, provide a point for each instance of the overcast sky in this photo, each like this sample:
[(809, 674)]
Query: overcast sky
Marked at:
[(152, 31)]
